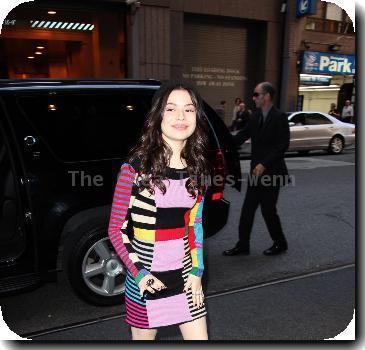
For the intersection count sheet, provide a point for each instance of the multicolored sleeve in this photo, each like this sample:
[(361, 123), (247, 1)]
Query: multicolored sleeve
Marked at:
[(196, 237), (120, 212)]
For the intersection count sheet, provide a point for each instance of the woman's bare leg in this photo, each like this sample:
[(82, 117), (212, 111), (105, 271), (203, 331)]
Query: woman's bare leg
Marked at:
[(195, 330), (143, 334)]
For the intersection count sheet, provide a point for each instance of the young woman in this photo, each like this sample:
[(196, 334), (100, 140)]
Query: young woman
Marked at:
[(161, 191)]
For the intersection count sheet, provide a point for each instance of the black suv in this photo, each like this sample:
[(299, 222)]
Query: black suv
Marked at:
[(62, 143)]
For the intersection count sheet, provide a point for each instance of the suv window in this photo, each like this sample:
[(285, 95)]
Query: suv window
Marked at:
[(220, 130), (86, 126), (316, 119)]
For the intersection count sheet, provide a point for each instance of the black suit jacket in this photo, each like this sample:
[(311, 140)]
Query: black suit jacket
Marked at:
[(269, 143)]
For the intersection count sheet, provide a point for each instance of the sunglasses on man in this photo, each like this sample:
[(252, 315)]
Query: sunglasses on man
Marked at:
[(257, 94)]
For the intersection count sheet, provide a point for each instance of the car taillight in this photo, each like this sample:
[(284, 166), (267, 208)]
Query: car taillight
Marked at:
[(217, 182)]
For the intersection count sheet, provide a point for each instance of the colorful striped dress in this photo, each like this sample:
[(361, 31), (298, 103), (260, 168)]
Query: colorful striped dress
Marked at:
[(167, 242)]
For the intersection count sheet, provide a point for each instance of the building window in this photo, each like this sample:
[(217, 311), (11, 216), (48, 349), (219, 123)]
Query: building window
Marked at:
[(330, 18)]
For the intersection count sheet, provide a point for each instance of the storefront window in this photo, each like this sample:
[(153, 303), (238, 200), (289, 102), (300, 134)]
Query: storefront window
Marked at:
[(39, 42)]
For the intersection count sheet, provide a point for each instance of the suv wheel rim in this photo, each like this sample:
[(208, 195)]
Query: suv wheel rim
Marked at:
[(102, 270), (336, 145)]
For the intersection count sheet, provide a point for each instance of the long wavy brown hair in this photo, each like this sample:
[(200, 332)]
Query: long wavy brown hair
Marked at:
[(154, 153)]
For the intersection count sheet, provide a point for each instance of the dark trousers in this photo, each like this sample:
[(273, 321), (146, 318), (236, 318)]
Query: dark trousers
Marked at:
[(347, 119), (266, 197)]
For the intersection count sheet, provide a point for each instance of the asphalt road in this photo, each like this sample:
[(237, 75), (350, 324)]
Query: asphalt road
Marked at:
[(318, 216), (310, 308)]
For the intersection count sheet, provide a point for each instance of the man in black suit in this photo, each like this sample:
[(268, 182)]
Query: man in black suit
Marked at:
[(268, 129)]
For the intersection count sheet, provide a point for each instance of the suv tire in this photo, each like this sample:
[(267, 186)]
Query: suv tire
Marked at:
[(92, 267)]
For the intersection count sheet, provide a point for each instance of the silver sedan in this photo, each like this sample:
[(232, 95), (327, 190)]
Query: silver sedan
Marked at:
[(311, 131)]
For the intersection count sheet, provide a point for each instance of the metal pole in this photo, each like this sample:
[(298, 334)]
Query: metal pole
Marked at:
[(284, 69)]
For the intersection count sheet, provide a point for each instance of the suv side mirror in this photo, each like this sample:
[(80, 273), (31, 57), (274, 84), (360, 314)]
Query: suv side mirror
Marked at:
[(291, 124)]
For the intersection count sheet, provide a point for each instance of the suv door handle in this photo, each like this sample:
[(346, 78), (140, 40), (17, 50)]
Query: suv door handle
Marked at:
[(30, 141), (24, 180)]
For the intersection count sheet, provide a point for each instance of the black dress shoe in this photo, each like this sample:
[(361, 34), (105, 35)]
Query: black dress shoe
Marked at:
[(236, 251), (276, 249)]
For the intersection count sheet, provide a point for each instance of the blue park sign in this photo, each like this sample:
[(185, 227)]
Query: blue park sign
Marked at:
[(313, 62), (306, 7)]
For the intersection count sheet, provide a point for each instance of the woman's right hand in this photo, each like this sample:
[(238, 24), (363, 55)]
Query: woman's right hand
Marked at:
[(156, 285)]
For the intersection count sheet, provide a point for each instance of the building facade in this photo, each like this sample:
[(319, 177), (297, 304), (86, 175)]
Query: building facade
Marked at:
[(320, 53), (224, 47)]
